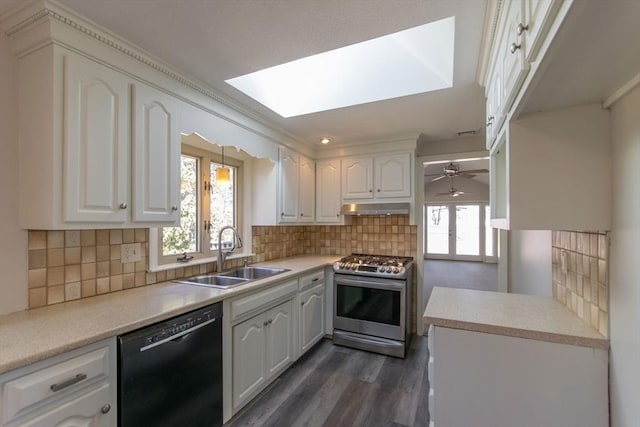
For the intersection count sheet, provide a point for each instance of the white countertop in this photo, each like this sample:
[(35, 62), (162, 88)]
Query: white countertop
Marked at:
[(524, 316), (29, 336)]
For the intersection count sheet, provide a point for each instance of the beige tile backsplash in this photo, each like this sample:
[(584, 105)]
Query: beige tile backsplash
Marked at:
[(74, 264), (584, 288)]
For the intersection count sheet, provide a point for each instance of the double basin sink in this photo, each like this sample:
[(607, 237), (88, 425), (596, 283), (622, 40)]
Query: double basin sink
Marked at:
[(232, 278)]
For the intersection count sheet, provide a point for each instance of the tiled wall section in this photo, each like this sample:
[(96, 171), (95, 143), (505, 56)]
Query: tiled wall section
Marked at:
[(584, 289), (69, 265), (74, 264), (385, 235)]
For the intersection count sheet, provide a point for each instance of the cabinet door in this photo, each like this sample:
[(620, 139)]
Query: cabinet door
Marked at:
[(328, 191), (393, 175), (289, 185), (249, 372), (539, 16), (96, 145), (357, 178), (279, 338), (156, 156), (306, 197), (311, 317), (514, 65)]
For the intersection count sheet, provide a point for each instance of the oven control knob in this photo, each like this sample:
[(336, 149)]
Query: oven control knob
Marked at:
[(395, 270)]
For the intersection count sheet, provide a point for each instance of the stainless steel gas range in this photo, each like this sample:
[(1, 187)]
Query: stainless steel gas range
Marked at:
[(372, 303)]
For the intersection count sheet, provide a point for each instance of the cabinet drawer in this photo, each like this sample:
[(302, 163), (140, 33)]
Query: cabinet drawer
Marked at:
[(312, 279), (253, 303), (23, 393), (85, 410)]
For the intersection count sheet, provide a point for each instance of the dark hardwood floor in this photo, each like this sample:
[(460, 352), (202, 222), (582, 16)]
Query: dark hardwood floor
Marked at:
[(337, 386)]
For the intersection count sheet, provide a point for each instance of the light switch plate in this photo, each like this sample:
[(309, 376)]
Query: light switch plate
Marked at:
[(130, 252)]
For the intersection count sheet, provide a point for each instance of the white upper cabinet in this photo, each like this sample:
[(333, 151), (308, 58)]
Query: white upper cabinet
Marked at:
[(296, 187), (512, 52), (156, 156), (382, 176), (306, 193), (109, 157), (537, 18), (393, 175), (328, 191), (357, 178), (96, 148)]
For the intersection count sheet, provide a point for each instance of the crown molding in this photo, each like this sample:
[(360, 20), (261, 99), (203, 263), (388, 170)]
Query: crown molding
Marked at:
[(491, 17)]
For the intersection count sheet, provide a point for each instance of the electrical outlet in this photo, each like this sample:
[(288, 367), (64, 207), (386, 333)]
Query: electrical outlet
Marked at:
[(130, 252), (563, 262)]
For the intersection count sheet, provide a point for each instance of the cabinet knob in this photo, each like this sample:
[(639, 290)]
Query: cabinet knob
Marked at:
[(281, 213), (265, 323), (514, 47), (378, 190), (270, 321), (174, 208), (301, 214), (105, 409), (123, 206), (490, 121), (521, 28), (370, 191), (338, 215)]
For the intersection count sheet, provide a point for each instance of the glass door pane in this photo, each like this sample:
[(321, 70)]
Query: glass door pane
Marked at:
[(468, 230), (437, 220)]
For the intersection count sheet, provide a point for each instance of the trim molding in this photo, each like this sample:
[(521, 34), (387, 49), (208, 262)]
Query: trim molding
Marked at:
[(622, 91), (491, 17)]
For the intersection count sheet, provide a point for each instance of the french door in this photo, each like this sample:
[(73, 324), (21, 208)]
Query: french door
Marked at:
[(458, 231)]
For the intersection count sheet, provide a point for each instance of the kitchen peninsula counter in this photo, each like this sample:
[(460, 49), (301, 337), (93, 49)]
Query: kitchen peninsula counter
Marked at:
[(515, 315), (29, 336)]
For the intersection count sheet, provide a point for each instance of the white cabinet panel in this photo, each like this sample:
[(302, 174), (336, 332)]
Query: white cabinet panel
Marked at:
[(328, 201), (393, 175), (311, 317), (156, 156), (96, 149), (306, 202), (513, 52), (289, 185), (279, 338), (538, 19), (249, 369), (357, 178)]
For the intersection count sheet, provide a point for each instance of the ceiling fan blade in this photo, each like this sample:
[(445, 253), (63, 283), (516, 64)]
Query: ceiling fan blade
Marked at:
[(442, 194), (476, 171), (439, 178), (466, 175)]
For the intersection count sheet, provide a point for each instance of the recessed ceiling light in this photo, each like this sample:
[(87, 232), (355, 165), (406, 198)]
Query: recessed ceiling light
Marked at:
[(325, 140), (408, 62)]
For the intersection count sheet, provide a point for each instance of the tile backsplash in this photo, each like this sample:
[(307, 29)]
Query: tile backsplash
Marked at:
[(584, 287), (73, 264)]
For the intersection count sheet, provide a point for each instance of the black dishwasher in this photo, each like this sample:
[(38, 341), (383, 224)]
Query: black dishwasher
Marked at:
[(170, 373)]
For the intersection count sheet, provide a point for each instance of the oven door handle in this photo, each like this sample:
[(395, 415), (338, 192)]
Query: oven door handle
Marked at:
[(365, 283)]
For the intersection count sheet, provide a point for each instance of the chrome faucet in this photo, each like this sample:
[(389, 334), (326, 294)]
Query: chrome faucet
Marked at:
[(236, 243)]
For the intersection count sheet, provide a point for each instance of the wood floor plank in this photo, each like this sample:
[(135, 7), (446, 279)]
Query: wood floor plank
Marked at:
[(336, 386)]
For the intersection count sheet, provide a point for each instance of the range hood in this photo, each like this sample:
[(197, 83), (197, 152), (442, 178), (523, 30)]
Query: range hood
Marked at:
[(375, 209)]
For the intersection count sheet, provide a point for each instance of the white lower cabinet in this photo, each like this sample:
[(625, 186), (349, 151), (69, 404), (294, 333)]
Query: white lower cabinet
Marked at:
[(486, 380), (312, 309), (75, 389), (264, 343)]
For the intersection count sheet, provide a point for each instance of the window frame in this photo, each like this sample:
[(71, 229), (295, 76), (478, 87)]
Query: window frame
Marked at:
[(204, 252)]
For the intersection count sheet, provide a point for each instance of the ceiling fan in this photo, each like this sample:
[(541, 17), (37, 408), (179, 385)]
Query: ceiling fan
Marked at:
[(453, 169), (453, 192)]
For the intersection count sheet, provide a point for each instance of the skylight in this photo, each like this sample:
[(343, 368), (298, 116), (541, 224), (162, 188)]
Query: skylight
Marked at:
[(408, 62)]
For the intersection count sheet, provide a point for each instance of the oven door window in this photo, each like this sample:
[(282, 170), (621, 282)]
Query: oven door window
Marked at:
[(369, 304)]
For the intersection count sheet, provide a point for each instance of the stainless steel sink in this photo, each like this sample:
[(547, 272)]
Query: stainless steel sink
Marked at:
[(253, 273), (232, 278), (214, 281)]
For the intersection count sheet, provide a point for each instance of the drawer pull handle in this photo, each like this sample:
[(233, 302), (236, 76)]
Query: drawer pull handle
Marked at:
[(105, 409), (316, 279), (68, 383)]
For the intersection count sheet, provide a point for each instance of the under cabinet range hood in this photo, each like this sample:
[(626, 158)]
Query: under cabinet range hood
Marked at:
[(375, 209)]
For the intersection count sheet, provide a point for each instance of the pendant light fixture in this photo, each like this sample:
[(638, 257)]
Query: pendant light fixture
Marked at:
[(223, 174)]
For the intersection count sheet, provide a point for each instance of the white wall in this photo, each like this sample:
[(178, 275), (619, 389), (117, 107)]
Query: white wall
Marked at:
[(530, 262), (13, 241), (624, 276)]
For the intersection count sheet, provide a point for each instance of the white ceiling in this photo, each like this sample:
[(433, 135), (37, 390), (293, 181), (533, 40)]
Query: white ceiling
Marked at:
[(214, 40)]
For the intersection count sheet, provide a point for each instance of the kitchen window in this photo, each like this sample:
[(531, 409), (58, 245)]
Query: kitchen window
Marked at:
[(205, 207)]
